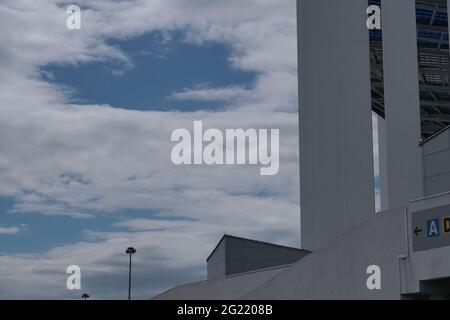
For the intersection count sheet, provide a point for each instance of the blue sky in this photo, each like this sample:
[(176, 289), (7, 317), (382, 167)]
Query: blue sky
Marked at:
[(85, 123), (43, 232), (159, 69)]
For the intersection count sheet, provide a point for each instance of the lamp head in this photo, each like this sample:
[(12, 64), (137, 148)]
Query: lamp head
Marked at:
[(130, 250)]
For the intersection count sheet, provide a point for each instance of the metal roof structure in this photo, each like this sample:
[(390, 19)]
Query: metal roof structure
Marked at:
[(433, 59), (236, 255), (225, 236)]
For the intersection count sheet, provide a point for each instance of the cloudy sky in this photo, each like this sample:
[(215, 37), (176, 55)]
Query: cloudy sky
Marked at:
[(85, 123)]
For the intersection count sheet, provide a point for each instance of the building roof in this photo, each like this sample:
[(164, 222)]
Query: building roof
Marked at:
[(256, 241)]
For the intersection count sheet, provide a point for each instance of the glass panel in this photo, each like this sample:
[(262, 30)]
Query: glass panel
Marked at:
[(376, 67)]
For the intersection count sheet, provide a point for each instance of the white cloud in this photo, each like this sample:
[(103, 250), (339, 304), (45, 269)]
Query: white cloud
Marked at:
[(13, 229), (204, 93)]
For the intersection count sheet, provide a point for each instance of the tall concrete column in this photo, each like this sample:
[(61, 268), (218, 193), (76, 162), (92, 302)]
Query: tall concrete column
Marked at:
[(402, 102), (336, 156)]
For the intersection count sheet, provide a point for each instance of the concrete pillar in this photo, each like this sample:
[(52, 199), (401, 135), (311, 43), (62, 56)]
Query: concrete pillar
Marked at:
[(402, 102), (336, 154)]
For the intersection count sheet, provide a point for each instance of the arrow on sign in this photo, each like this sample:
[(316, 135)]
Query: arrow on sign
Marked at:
[(417, 231)]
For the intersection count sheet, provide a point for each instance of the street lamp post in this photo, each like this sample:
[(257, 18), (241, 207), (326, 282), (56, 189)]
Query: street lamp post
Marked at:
[(130, 251)]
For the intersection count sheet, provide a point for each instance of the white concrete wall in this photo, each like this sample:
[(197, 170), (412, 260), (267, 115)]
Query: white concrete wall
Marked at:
[(436, 157), (336, 156), (338, 271), (227, 288), (402, 103)]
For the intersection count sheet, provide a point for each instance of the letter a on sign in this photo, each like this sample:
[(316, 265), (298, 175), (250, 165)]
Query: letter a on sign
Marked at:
[(433, 228)]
